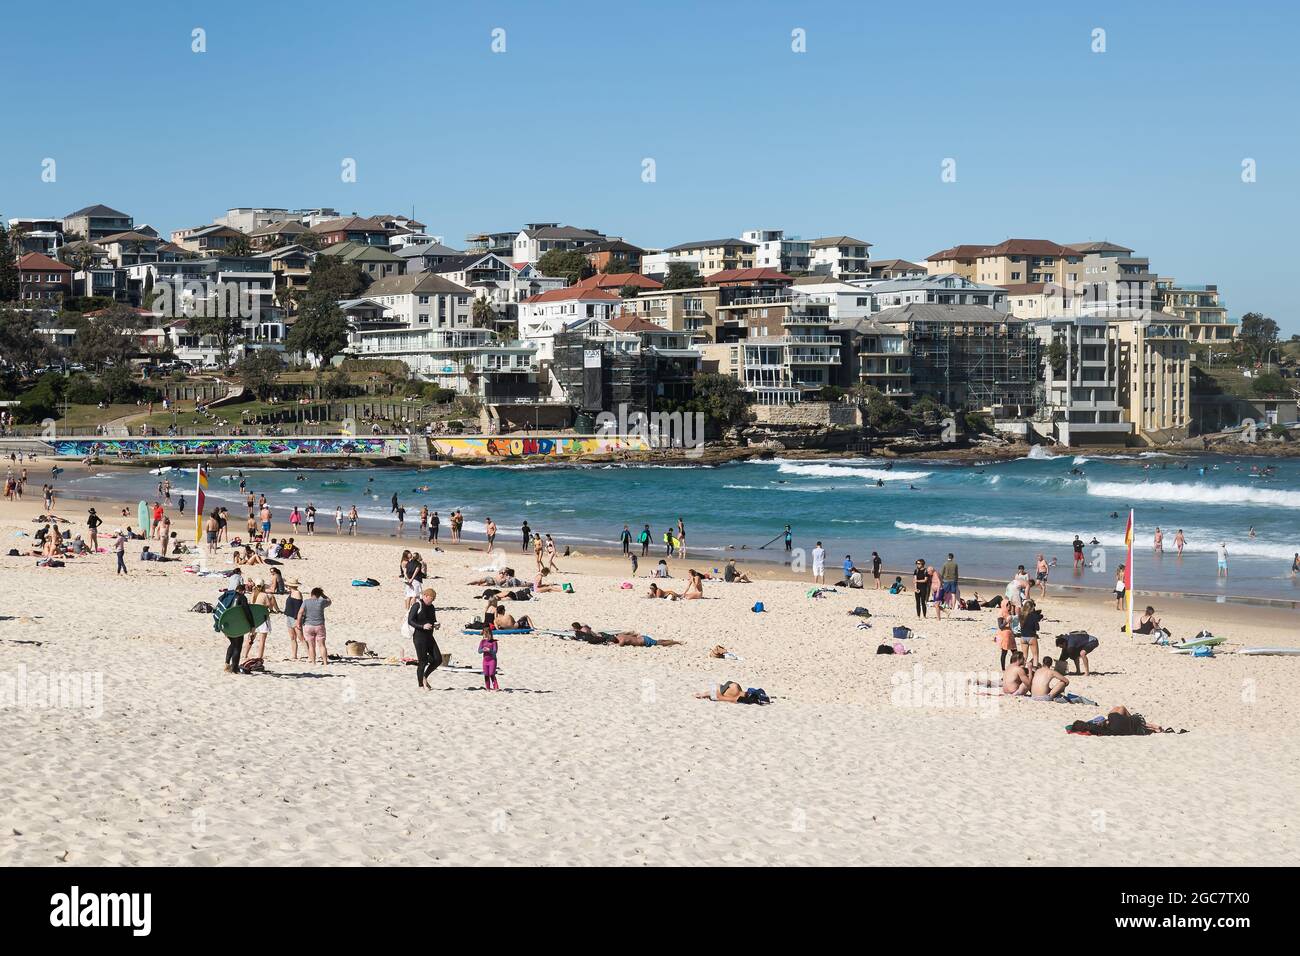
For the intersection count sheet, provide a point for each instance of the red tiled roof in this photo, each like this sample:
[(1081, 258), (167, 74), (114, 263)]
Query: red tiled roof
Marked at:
[(574, 292), (959, 252), (1026, 288), (627, 322), (747, 275), (1008, 247), (617, 280), (36, 260)]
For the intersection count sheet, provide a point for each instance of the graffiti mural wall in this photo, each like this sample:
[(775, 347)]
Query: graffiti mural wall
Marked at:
[(505, 447), (218, 447)]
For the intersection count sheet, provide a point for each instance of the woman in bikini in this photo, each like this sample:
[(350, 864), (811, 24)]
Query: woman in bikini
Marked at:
[(694, 586)]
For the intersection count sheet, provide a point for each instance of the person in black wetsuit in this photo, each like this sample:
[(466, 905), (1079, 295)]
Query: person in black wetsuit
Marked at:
[(423, 619), (922, 578)]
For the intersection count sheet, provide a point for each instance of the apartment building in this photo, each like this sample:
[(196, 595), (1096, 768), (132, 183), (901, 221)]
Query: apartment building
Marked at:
[(536, 239), (95, 222), (713, 255), (543, 316), (42, 281), (374, 260), (876, 356), (894, 269), (130, 248), (1203, 308), (426, 257), (503, 284), (773, 250), (1013, 262), (943, 289), (206, 240), (274, 235), (841, 256), (251, 219), (969, 356), (358, 229), (497, 243), (1115, 278), (846, 301), (1155, 374), (291, 266), (36, 235), (1083, 401), (613, 255), (234, 286)]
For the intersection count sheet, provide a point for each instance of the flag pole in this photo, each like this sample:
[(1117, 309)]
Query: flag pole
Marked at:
[(1128, 574), (200, 482)]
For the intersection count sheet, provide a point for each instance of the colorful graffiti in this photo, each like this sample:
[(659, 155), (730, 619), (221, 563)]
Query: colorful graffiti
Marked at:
[(561, 447), (227, 447)]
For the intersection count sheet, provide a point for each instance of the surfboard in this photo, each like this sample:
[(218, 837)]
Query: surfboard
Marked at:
[(236, 620), (1194, 642), (142, 516), (1271, 651)]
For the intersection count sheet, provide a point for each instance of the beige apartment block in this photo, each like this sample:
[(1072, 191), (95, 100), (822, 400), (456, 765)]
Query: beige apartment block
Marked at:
[(1013, 262)]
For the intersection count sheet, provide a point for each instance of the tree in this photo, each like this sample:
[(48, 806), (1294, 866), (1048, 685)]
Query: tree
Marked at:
[(8, 268), (629, 291), (1258, 333), (332, 277), (257, 371), (238, 246), (1270, 383), (681, 275), (107, 339), (319, 330), (483, 316), (720, 398), (286, 297), (19, 341), (570, 263)]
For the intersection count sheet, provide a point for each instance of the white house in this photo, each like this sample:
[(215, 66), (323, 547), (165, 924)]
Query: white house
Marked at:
[(542, 316), (775, 251), (948, 288), (538, 238)]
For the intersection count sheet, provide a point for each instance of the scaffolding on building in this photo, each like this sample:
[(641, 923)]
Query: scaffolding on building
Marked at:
[(975, 364)]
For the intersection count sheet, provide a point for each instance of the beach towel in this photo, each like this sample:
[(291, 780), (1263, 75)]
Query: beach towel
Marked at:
[(367, 583), (469, 629), (253, 666)]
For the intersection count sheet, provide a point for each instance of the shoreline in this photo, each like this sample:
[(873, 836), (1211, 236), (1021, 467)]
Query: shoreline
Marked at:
[(1219, 608)]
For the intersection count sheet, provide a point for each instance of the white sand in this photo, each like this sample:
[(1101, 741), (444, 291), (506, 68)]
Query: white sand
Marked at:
[(601, 754)]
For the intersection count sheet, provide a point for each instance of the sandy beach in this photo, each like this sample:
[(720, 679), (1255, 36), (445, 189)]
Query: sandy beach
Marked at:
[(601, 754)]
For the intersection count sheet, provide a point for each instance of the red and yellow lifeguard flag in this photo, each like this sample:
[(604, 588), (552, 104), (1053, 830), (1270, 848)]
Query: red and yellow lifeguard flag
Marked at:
[(199, 500), (1128, 571)]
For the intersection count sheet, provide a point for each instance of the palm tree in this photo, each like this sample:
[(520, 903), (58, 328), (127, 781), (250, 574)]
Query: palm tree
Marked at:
[(484, 316)]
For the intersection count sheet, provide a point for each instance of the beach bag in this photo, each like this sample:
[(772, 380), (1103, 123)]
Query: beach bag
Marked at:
[(253, 666), (1203, 652), (758, 607), (13, 553), (885, 649), (860, 612), (626, 586), (902, 633), (566, 587)]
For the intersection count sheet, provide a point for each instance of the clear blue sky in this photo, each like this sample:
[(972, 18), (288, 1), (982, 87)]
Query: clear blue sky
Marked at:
[(1142, 144)]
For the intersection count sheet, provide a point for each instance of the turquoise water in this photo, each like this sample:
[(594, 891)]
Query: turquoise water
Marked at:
[(993, 516)]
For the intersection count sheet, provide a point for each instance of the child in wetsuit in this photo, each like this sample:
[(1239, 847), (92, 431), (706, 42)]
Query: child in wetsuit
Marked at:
[(488, 648)]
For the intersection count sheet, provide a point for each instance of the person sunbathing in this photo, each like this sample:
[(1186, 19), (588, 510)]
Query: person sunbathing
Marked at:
[(657, 592), (1047, 683), (503, 620), (694, 586), (248, 557), (584, 632), (729, 692), (539, 584), (1120, 722), (505, 578)]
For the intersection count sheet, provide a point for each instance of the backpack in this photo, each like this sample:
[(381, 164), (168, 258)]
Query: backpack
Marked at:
[(902, 633)]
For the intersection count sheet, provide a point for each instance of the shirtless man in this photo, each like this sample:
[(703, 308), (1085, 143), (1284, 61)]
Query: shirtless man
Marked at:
[(504, 620), (1040, 573), (1047, 684), (584, 632), (1015, 679)]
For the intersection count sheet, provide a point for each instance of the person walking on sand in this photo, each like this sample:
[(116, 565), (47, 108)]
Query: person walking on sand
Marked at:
[(537, 550), (352, 520), (819, 564), (489, 647), (311, 520), (681, 538), (295, 519), (1119, 588), (338, 519), (490, 527), (262, 630), (1041, 570), (625, 538), (265, 518), (550, 553), (422, 619), (210, 530), (527, 536), (644, 540), (875, 570), (434, 523)]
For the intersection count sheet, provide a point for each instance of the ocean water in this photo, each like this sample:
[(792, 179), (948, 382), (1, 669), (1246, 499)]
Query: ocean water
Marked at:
[(992, 515)]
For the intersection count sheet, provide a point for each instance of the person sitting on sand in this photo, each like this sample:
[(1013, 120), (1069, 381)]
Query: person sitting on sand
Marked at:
[(290, 550), (733, 575), (248, 557), (657, 592), (1047, 683), (1015, 678), (661, 570), (694, 586), (1148, 623), (898, 587), (539, 584)]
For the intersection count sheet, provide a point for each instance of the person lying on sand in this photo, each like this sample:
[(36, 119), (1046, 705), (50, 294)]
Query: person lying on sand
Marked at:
[(657, 592), (1047, 683), (1120, 722), (505, 578), (502, 619), (584, 632), (729, 692)]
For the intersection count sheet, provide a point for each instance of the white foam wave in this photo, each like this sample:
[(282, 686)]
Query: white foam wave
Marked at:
[(828, 470), (1194, 493)]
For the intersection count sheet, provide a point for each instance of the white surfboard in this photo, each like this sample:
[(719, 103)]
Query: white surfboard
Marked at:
[(1271, 651)]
